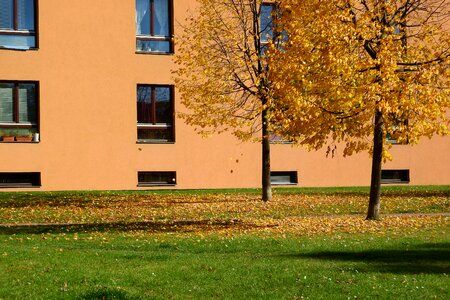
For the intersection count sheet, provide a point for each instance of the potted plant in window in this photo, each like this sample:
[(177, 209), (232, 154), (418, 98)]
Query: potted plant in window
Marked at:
[(7, 136), (24, 138)]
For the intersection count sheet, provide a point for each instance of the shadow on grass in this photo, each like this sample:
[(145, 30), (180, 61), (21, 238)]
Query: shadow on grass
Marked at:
[(154, 226), (431, 258), (107, 294)]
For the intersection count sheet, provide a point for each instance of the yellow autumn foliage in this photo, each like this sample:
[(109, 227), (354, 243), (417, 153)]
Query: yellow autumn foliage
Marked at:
[(344, 60)]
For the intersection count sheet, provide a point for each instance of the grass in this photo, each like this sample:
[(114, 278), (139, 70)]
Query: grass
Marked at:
[(306, 243), (142, 266), (213, 206)]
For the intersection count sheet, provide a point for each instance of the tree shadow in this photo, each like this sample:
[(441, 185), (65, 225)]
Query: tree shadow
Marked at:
[(429, 258), (150, 226), (107, 294)]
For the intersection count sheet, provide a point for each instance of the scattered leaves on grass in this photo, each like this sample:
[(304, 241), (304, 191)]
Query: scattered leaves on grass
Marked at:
[(286, 214)]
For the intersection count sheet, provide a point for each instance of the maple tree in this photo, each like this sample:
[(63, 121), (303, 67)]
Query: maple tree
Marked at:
[(222, 73), (361, 72)]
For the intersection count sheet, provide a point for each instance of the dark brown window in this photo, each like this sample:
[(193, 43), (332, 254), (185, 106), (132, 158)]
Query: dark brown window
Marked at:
[(283, 177), (18, 108), (155, 116), (18, 24), (157, 178), (154, 26), (394, 176), (20, 180)]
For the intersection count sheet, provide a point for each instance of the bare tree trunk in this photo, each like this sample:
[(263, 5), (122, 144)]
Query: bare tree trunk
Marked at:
[(266, 185), (373, 212)]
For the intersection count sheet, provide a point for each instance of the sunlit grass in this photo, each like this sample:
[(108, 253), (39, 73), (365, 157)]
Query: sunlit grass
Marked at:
[(143, 265)]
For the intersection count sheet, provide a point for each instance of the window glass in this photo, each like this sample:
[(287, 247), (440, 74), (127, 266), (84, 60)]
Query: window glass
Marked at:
[(6, 102), (17, 41), (18, 108), (156, 178), (17, 16), (142, 17), (6, 14), (27, 103), (24, 179), (161, 18), (153, 28), (158, 135), (153, 46), (144, 104), (25, 14), (155, 113), (163, 105), (266, 23)]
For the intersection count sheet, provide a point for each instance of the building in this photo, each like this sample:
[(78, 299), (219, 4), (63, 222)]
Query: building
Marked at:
[(91, 82)]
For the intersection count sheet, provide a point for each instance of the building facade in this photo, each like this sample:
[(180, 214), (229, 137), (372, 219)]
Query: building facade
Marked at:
[(88, 86)]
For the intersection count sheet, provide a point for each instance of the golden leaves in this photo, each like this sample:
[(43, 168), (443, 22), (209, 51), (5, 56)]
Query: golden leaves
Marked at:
[(306, 214), (344, 61), (221, 72)]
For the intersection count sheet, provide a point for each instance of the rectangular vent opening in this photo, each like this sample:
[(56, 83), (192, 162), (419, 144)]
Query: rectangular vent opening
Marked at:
[(156, 178), (394, 176), (20, 179), (284, 177)]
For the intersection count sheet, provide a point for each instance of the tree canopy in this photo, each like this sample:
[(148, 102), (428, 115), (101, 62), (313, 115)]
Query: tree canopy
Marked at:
[(362, 73)]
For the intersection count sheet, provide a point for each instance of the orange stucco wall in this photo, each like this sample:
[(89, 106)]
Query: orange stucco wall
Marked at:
[(88, 70)]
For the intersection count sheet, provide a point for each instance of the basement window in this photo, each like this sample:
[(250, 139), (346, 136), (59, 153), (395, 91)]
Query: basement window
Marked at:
[(394, 176), (157, 178), (20, 180), (283, 178)]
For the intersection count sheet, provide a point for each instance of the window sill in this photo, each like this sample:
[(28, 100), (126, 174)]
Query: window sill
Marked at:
[(154, 53), (155, 184), (18, 48), (19, 142), (281, 143), (155, 142), (17, 185), (393, 181)]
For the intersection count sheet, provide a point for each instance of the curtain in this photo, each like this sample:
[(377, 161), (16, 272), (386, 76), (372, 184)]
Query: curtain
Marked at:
[(6, 14), (161, 17), (27, 103), (6, 102), (142, 17), (25, 14)]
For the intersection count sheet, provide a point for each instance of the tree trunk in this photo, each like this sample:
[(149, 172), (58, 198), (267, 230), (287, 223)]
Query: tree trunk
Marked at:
[(266, 185), (373, 212)]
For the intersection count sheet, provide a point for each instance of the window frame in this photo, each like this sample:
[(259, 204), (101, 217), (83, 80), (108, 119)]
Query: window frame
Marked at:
[(152, 37), (21, 32), (35, 180), (404, 176), (264, 37), (154, 125), (172, 174), (16, 109), (293, 177)]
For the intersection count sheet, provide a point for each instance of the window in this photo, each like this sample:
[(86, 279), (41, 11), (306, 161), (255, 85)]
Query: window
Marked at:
[(154, 26), (17, 24), (155, 113), (157, 178), (18, 108), (283, 178), (266, 23), (394, 176), (400, 126), (278, 139), (20, 180)]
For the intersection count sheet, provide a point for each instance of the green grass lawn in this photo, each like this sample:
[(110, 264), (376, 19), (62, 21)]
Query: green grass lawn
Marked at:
[(224, 245), (142, 266)]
